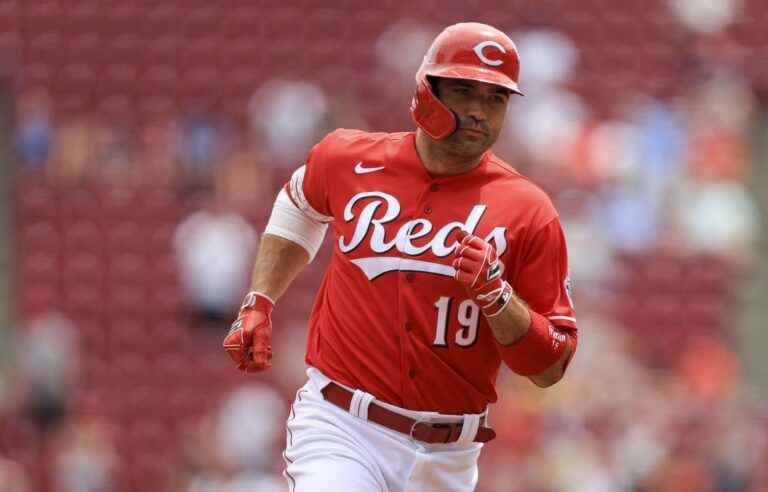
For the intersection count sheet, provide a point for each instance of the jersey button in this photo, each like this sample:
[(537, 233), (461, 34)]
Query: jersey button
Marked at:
[(408, 326), (434, 187), (428, 209), (412, 373), (409, 277)]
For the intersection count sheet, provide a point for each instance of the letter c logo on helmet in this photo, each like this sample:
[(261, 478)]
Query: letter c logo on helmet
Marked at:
[(479, 51), (471, 51)]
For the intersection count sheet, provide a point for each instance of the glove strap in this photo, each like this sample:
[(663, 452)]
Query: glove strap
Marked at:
[(255, 299), (498, 300)]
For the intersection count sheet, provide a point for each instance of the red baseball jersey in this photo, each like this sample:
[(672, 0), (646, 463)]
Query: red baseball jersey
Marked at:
[(389, 318)]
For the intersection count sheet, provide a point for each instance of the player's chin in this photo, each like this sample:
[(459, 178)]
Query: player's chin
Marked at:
[(475, 146)]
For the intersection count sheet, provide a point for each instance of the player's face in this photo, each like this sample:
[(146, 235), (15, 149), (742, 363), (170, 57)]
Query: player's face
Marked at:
[(481, 109)]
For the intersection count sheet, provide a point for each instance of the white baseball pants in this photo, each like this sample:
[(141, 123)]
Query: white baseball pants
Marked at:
[(329, 449)]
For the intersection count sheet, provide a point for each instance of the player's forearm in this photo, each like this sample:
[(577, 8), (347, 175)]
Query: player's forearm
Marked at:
[(512, 323), (278, 263)]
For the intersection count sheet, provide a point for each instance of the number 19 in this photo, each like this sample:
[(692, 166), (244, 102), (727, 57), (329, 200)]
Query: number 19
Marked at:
[(469, 318)]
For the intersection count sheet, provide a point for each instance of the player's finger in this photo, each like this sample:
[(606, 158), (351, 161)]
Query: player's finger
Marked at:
[(463, 273), (261, 337), (463, 239), (474, 242), (466, 264), (471, 253), (236, 354), (261, 360), (260, 341), (464, 246), (233, 340), (456, 267), (464, 277), (461, 234)]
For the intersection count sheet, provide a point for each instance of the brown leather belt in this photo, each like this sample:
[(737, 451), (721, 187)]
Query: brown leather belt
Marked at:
[(421, 431)]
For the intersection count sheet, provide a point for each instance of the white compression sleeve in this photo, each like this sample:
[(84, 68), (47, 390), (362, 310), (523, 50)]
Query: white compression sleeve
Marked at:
[(289, 222)]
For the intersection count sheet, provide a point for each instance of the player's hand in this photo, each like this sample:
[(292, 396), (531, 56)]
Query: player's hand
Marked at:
[(248, 342), (479, 270)]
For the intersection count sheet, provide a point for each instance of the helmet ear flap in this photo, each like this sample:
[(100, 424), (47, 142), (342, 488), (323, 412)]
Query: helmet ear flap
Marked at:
[(429, 112)]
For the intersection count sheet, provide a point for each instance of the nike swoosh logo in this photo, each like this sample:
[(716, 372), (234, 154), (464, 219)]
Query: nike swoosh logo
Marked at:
[(359, 169)]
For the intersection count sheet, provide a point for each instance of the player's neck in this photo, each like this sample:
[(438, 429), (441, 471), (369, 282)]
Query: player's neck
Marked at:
[(438, 161)]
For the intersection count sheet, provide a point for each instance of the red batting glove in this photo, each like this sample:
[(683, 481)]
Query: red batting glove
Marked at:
[(248, 340), (479, 270)]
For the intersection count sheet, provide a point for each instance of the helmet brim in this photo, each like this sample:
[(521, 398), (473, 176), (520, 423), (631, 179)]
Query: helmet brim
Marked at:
[(473, 72)]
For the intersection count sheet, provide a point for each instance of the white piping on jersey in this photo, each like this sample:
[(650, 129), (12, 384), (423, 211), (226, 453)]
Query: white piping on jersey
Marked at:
[(296, 187), (566, 318), (375, 266)]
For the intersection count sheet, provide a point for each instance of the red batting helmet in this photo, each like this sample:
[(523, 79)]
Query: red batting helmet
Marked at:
[(469, 50)]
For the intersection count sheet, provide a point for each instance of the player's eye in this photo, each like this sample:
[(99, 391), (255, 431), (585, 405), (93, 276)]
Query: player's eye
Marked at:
[(498, 99)]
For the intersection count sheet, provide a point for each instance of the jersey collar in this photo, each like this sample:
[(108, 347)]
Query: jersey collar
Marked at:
[(407, 153)]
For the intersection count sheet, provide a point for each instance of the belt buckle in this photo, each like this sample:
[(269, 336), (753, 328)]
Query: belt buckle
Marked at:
[(413, 427)]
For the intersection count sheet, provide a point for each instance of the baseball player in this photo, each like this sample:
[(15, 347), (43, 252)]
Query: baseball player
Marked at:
[(446, 263)]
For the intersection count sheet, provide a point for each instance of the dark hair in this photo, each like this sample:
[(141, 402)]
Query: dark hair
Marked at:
[(433, 85)]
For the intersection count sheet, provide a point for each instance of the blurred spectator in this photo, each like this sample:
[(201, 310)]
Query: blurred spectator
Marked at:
[(48, 365), (214, 248), (244, 451), (543, 127), (399, 50), (543, 130), (84, 457), (721, 110), (549, 58), (290, 115), (590, 253), (661, 131), (73, 155), (705, 16), (34, 129), (717, 217), (630, 221), (249, 424), (113, 155), (201, 143)]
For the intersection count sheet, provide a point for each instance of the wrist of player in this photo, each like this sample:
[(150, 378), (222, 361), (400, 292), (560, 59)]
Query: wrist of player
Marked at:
[(494, 298), (258, 301)]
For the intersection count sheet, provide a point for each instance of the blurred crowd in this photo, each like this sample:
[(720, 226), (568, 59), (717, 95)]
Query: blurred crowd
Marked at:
[(645, 181)]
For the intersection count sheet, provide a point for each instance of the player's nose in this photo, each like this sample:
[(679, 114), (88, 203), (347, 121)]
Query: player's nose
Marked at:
[(475, 109)]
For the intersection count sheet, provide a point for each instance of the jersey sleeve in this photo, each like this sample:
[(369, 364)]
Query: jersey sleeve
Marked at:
[(308, 186), (543, 281)]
